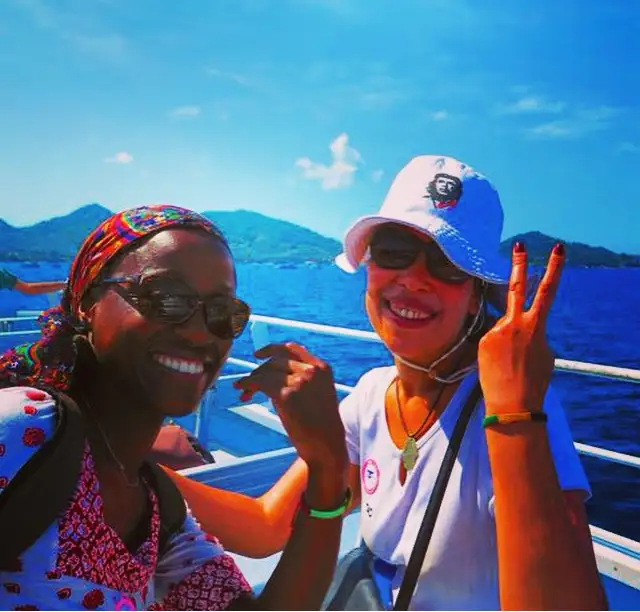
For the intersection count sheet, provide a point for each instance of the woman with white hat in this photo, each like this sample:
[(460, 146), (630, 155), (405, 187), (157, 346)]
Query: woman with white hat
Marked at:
[(512, 531)]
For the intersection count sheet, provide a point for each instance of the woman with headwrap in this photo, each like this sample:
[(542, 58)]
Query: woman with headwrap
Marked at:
[(145, 324)]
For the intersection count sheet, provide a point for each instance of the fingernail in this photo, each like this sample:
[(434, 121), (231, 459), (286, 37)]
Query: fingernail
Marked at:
[(558, 249), (518, 247)]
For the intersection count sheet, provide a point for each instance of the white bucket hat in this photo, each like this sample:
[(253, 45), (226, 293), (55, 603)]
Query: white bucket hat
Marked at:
[(448, 201)]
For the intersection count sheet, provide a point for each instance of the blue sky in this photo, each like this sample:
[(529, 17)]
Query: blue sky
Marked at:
[(213, 105)]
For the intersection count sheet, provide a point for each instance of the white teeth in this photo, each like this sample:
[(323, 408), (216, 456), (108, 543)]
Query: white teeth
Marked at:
[(407, 313), (180, 365)]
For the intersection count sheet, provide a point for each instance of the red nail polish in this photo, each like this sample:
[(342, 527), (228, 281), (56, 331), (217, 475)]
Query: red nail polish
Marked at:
[(518, 247), (558, 249)]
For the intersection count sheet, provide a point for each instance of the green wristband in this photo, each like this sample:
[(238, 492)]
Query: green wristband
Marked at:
[(515, 417), (330, 514)]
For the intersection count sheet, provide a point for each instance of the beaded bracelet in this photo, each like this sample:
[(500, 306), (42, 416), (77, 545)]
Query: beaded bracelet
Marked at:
[(514, 417)]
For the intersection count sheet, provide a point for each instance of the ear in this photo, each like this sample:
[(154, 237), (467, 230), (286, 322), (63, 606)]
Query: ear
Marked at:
[(86, 314)]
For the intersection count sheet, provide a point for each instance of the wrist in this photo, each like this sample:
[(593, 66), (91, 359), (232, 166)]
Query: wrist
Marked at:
[(492, 408), (327, 486)]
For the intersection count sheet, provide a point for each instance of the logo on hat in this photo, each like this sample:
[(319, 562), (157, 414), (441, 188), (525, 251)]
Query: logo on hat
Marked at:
[(444, 190)]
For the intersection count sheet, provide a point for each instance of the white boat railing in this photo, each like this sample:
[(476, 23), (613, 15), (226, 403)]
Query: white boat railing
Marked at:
[(259, 330), (260, 335)]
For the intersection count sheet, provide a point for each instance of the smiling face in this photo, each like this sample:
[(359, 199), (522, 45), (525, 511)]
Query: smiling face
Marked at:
[(168, 366), (416, 315)]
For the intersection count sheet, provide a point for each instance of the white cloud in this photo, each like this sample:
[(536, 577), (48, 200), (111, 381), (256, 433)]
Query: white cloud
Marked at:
[(229, 76), (186, 111), (578, 124), (440, 115), (79, 27), (628, 147), (120, 158), (533, 105), (376, 175), (344, 164)]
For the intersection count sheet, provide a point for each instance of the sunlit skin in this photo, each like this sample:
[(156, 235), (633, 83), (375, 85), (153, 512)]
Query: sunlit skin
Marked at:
[(542, 531), (39, 287)]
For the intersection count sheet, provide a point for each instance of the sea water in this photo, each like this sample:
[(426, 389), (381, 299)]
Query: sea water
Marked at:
[(596, 318)]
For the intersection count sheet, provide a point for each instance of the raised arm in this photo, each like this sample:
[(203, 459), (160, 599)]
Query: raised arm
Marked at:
[(38, 287), (545, 556)]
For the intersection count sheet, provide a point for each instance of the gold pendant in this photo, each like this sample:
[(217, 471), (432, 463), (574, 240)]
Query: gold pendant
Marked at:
[(409, 454)]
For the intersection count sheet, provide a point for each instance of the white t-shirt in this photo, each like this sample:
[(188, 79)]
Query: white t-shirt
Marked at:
[(460, 570)]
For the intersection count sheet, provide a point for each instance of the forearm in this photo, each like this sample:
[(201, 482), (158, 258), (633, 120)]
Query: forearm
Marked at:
[(303, 575), (37, 288), (240, 522), (542, 564)]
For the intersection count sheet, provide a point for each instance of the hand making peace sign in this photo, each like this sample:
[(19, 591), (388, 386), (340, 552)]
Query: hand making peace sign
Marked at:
[(514, 358)]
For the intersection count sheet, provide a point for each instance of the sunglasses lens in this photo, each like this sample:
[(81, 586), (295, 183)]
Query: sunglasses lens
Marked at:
[(227, 317), (442, 268), (167, 306), (174, 303), (393, 249)]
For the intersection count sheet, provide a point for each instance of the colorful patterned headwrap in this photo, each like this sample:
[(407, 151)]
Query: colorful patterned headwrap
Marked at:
[(51, 359)]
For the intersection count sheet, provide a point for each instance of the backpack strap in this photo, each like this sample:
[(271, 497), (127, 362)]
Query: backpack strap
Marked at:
[(172, 507), (44, 486)]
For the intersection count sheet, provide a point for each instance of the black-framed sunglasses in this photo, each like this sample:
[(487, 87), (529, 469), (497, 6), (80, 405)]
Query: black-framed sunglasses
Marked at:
[(395, 248), (174, 302)]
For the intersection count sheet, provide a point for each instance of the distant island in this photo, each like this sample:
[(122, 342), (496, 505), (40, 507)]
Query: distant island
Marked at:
[(255, 238)]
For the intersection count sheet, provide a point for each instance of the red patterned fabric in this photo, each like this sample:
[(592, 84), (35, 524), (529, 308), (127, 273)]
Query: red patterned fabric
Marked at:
[(80, 563), (213, 586), (91, 550)]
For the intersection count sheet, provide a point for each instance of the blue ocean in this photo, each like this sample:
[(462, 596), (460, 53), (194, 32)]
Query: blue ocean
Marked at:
[(596, 318)]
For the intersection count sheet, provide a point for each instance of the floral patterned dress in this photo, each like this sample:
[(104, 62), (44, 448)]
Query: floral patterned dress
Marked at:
[(80, 563)]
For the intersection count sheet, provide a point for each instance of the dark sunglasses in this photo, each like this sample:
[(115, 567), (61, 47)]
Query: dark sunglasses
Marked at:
[(174, 302), (395, 248)]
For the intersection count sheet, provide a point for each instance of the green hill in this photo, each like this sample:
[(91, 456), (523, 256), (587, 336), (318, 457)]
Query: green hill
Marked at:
[(578, 254), (254, 238)]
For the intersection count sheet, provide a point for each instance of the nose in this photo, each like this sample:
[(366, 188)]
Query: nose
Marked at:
[(417, 276)]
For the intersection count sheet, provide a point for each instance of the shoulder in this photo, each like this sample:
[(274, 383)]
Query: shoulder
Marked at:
[(556, 417), (368, 387), (372, 381), (28, 419), (360, 409), (569, 468)]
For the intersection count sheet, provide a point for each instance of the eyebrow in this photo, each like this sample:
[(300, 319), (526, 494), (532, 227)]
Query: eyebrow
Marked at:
[(171, 275)]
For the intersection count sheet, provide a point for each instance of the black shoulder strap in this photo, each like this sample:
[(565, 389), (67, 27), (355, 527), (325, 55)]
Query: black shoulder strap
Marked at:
[(173, 510), (419, 551), (44, 485)]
